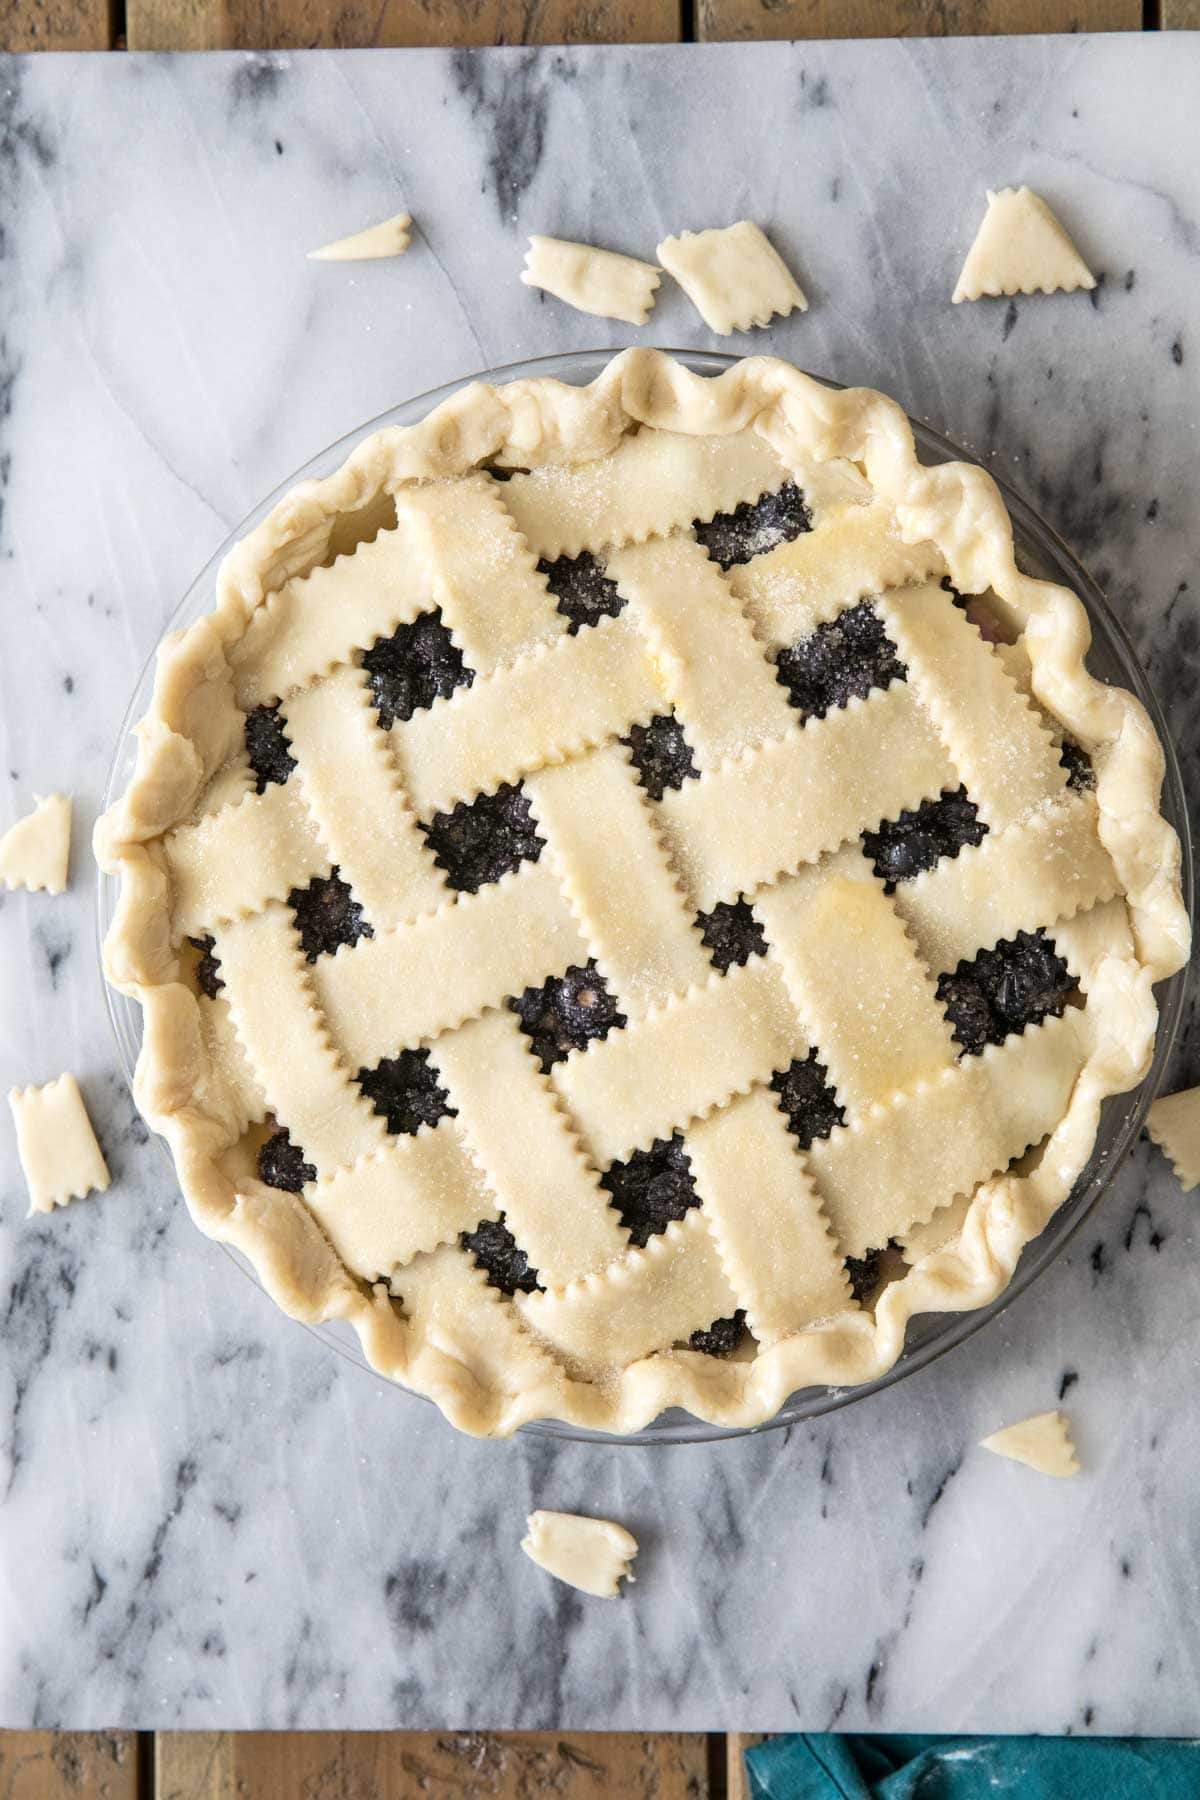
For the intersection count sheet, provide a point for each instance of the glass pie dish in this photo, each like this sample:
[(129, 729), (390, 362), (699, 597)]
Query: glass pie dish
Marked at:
[(1111, 660)]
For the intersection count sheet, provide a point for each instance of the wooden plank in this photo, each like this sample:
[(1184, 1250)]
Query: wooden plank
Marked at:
[(55, 25), (409, 1765), (913, 18), (737, 1786), (1181, 15), (68, 1765), (364, 24)]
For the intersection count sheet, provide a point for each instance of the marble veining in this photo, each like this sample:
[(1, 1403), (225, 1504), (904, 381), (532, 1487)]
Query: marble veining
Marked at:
[(208, 1519)]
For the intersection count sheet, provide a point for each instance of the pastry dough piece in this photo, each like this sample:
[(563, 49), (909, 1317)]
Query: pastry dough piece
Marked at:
[(1174, 1124), (591, 280), (1021, 248), (1042, 1443), (389, 238), (34, 852), (59, 1154), (589, 1554), (734, 277)]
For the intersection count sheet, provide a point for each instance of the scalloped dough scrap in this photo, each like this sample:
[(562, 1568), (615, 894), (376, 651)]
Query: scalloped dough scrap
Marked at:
[(1174, 1124), (593, 1555), (389, 238), (59, 1154), (734, 277), (34, 852), (592, 281), (1020, 248), (1042, 1443)]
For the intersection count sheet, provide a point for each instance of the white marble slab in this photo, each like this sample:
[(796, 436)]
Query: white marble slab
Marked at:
[(207, 1519)]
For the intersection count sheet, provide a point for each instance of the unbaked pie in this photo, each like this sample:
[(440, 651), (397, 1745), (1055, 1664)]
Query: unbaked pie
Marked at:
[(633, 895)]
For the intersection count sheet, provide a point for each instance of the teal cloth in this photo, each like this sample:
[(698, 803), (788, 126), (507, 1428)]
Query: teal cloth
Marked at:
[(821, 1766)]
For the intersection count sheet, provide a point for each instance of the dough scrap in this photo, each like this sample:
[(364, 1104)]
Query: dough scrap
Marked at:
[(56, 1144), (734, 277), (34, 852), (592, 281), (390, 238), (589, 1554), (1021, 248), (1042, 1443), (1174, 1124)]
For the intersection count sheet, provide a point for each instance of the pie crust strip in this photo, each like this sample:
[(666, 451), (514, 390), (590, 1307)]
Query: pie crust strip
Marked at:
[(593, 281)]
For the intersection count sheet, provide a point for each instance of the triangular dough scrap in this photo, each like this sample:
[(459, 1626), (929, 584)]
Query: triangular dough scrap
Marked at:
[(734, 277), (35, 851), (1021, 248), (1174, 1124), (1042, 1443), (390, 238), (600, 282), (589, 1554), (59, 1154)]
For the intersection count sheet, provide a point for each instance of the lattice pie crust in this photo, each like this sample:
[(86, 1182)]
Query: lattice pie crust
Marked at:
[(468, 516)]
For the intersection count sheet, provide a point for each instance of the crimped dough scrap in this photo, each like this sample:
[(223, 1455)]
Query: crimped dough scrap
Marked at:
[(34, 852), (591, 280), (389, 238), (734, 277), (1020, 248), (1042, 1443), (593, 1555), (59, 1154), (1174, 1124)]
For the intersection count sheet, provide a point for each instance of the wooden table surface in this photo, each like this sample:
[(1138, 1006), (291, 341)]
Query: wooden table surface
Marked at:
[(120, 1765)]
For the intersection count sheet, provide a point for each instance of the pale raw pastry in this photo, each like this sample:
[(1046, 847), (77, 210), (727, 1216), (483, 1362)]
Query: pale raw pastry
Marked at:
[(591, 280), (59, 1154), (1020, 248), (34, 852), (1042, 1443), (734, 277), (565, 951), (1174, 1124), (389, 238), (593, 1555)]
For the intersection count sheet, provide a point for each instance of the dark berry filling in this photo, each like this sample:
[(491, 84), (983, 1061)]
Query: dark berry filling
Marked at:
[(1019, 983), (565, 1013), (497, 1252), (405, 1090), (418, 664), (582, 589), (327, 916), (842, 660), (207, 976), (755, 526), (485, 838), (864, 1274), (281, 1164), (731, 934), (652, 1188), (1075, 760), (722, 1337), (808, 1100), (902, 847), (661, 754), (267, 747)]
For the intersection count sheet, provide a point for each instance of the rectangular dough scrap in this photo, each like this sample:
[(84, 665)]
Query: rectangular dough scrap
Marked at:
[(592, 281), (734, 277), (56, 1144)]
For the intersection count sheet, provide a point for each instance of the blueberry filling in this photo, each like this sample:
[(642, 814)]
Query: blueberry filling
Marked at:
[(1019, 983), (808, 1100), (267, 747), (864, 1274), (1075, 760), (652, 1188), (497, 1252), (755, 526), (327, 916), (485, 838), (418, 664), (722, 1337), (207, 977), (406, 1092), (842, 660), (582, 589), (903, 847), (565, 1013), (731, 934), (661, 755), (281, 1164)]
